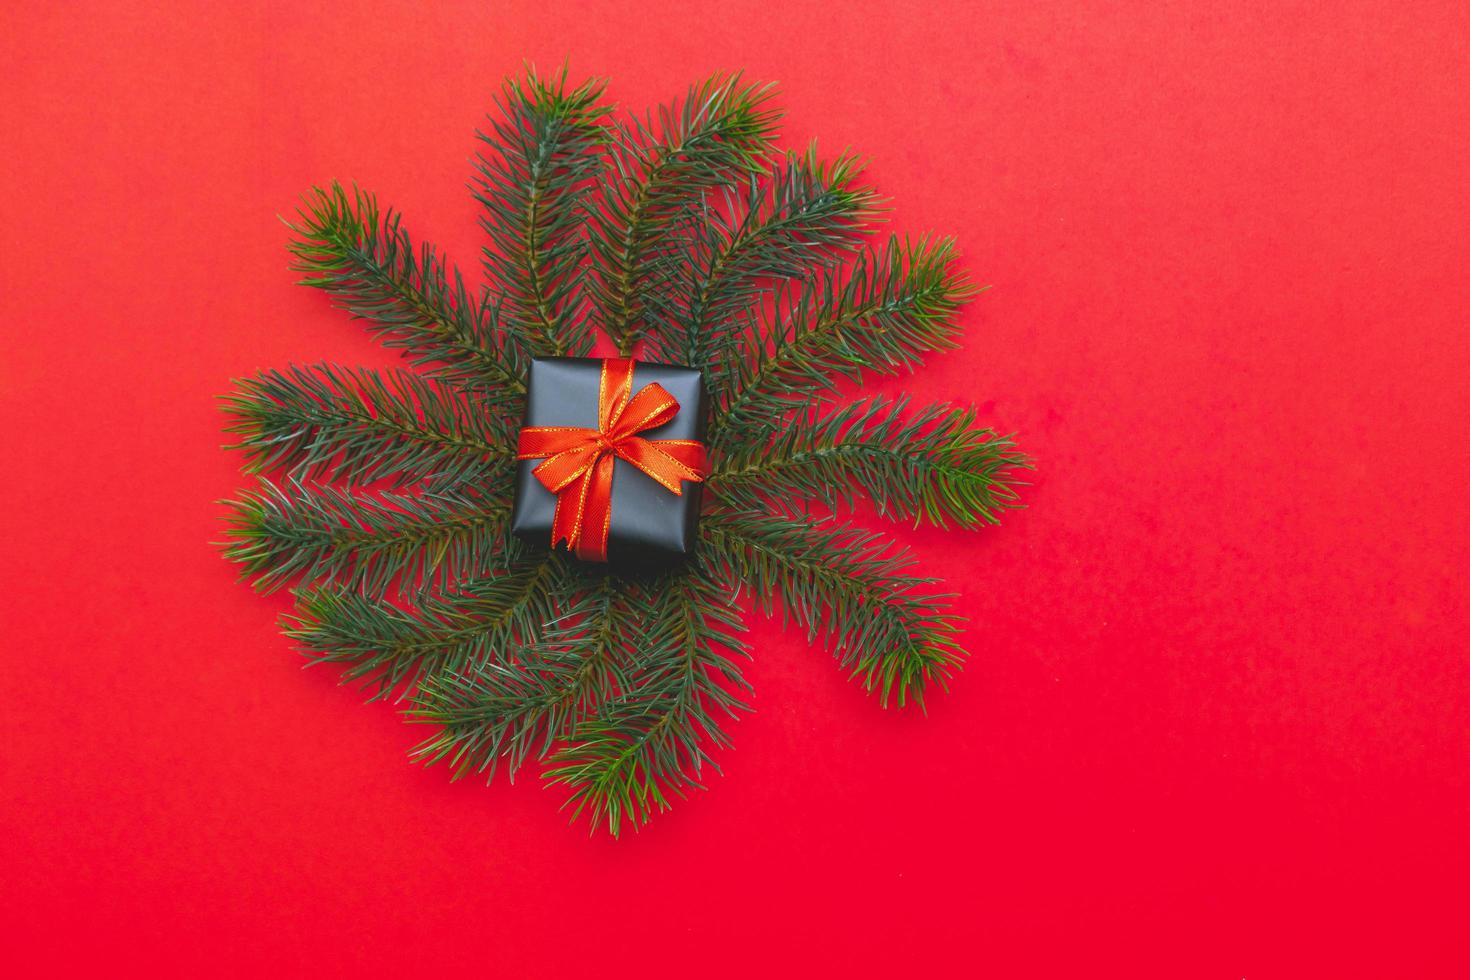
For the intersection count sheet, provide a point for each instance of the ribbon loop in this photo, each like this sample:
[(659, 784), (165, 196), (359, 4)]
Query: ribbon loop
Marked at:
[(578, 463)]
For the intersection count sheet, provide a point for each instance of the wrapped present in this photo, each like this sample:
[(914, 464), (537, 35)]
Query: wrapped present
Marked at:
[(611, 458)]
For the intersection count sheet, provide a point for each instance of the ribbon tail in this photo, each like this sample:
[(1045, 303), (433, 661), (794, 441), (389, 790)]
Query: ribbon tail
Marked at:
[(596, 518), (667, 461), (571, 507), (687, 452)]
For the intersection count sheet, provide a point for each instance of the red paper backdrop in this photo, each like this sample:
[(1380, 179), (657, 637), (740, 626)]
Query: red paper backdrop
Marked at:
[(1215, 721)]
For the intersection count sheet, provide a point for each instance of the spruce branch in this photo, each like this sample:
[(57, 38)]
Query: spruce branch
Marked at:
[(938, 466), (715, 137), (330, 423), (896, 305), (778, 226), (367, 542), (409, 296), (847, 585), (543, 151), (650, 744), (389, 648), (685, 237), (500, 713)]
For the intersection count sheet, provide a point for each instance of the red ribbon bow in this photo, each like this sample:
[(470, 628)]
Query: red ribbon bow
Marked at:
[(578, 465)]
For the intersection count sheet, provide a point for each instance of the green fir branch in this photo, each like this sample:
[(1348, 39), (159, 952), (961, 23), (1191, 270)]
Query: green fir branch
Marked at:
[(848, 586), (367, 542), (499, 714), (328, 423), (896, 305), (651, 743), (544, 149), (409, 296), (938, 466), (388, 648), (717, 136), (688, 241), (779, 226)]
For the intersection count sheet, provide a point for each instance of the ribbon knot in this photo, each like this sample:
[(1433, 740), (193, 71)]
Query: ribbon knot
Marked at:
[(578, 462)]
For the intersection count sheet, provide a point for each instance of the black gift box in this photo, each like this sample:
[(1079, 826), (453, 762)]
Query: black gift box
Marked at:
[(650, 525)]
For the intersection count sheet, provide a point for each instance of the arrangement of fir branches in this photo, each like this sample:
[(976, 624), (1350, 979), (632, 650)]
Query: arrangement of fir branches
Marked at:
[(383, 497)]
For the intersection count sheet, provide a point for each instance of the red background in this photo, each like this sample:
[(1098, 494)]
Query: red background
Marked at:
[(1215, 722)]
